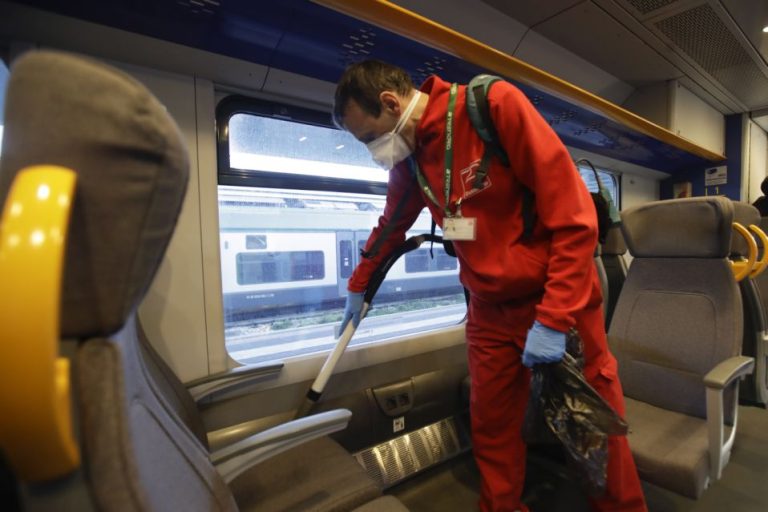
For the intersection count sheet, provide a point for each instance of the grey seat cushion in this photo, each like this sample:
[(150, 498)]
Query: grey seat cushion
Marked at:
[(670, 449), (295, 482), (383, 504)]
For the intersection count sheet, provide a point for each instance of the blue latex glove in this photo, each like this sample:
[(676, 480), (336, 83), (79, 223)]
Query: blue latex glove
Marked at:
[(352, 310), (543, 345)]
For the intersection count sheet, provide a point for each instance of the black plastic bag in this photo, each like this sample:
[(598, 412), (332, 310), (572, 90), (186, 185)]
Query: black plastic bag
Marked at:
[(564, 408)]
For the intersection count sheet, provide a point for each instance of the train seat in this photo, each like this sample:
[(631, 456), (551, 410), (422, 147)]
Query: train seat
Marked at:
[(753, 388), (137, 452), (676, 334), (615, 267), (760, 349), (603, 276)]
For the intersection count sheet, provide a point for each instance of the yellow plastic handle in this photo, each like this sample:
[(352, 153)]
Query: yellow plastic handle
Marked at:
[(36, 426), (741, 269), (761, 265)]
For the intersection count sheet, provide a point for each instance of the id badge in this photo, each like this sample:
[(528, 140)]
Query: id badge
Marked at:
[(459, 228)]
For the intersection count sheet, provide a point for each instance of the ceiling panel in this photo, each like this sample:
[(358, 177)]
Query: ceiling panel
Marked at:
[(589, 32), (531, 12), (648, 6), (707, 36), (751, 16)]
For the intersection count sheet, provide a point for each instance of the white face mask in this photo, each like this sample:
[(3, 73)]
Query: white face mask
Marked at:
[(390, 148)]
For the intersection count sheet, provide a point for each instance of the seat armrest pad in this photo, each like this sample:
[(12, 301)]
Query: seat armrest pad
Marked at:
[(217, 382), (725, 372), (236, 458)]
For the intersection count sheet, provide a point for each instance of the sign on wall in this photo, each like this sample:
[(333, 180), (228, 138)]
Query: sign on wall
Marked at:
[(716, 176)]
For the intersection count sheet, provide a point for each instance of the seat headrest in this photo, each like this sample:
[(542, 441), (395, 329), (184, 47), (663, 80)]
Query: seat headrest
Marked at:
[(614, 242), (696, 227), (132, 171), (745, 214)]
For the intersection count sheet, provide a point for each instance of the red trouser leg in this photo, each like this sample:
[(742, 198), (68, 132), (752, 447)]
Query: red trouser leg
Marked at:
[(499, 395), (500, 385)]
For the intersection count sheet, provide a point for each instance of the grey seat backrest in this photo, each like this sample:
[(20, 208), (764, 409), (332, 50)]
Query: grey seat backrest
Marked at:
[(612, 255), (762, 280), (143, 443), (679, 313), (603, 277), (753, 388), (132, 172)]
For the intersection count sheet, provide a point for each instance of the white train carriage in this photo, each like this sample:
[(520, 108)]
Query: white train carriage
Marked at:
[(294, 252)]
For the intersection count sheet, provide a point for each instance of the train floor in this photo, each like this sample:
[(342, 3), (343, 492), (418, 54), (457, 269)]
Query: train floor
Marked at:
[(455, 485)]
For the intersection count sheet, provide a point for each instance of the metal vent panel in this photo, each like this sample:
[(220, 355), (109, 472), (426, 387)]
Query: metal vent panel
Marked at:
[(707, 41), (394, 461), (646, 6)]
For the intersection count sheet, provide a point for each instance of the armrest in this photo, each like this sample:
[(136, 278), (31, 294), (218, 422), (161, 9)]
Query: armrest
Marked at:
[(720, 377), (205, 386), (724, 373), (233, 460)]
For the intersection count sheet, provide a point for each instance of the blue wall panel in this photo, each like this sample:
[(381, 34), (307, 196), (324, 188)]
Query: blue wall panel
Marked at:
[(308, 39)]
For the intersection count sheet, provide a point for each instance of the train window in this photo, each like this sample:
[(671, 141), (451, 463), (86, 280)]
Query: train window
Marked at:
[(417, 261), (3, 83), (255, 241), (297, 201), (279, 267), (607, 178), (445, 262), (422, 261)]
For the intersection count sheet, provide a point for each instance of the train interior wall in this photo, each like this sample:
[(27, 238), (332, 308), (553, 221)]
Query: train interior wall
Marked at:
[(183, 310)]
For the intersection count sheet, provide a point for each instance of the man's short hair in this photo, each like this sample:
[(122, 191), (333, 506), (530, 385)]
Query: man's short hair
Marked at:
[(363, 82)]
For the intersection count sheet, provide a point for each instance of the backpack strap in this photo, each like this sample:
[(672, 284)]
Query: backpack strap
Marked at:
[(480, 116)]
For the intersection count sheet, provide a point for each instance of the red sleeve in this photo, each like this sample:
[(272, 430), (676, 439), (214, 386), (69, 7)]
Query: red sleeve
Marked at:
[(540, 161), (400, 182)]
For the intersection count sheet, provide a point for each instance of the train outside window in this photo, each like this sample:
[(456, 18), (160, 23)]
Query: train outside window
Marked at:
[(608, 179), (297, 201)]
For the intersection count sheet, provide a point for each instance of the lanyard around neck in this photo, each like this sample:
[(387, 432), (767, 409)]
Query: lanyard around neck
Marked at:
[(448, 158)]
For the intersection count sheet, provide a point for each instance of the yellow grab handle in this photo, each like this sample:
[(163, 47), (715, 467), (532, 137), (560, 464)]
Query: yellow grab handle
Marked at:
[(761, 265), (36, 427), (742, 269)]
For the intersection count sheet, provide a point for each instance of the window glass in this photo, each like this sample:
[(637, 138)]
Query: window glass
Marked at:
[(417, 261), (607, 178), (279, 267), (259, 143), (289, 245), (3, 84), (284, 296)]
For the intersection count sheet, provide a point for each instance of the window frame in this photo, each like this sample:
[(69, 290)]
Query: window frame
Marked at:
[(227, 175)]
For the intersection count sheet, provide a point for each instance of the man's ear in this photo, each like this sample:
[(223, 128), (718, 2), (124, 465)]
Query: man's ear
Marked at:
[(390, 101)]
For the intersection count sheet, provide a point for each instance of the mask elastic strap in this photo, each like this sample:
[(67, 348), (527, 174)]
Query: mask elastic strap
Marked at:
[(407, 113)]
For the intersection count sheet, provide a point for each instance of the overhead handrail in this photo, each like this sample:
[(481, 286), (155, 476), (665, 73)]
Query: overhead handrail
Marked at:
[(742, 268), (761, 265), (36, 432), (397, 19)]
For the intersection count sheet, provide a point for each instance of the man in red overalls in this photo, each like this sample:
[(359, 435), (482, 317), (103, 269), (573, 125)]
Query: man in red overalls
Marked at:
[(526, 291)]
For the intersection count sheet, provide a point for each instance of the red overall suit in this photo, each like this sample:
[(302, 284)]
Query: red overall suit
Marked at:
[(549, 276)]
